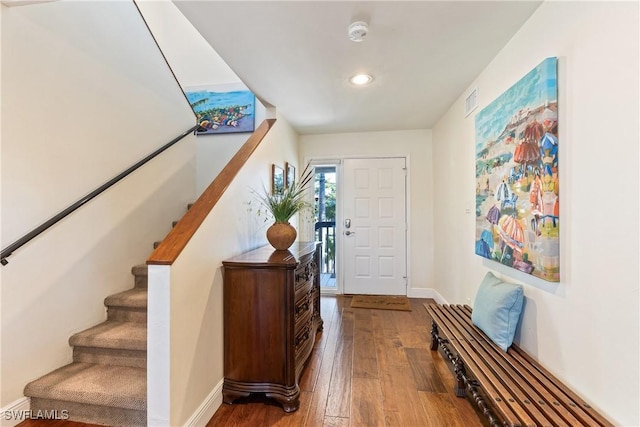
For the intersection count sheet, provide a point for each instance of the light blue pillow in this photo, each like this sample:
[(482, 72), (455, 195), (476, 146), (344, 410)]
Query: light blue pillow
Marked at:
[(496, 309)]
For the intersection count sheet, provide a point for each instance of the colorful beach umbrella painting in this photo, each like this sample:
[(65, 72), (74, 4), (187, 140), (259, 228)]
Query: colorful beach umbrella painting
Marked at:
[(549, 145), (487, 237), (511, 232), (533, 132), (503, 192), (493, 215), (549, 152), (482, 249), (526, 153), (484, 246), (517, 174)]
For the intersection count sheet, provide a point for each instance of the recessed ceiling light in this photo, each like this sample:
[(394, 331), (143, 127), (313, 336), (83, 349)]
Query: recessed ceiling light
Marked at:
[(361, 79)]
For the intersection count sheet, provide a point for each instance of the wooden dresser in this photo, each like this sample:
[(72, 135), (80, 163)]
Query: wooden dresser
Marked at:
[(271, 317)]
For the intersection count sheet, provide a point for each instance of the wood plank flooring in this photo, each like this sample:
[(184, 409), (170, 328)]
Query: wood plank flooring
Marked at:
[(368, 368)]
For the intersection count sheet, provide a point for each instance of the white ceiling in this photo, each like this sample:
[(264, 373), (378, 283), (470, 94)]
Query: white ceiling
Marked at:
[(296, 55)]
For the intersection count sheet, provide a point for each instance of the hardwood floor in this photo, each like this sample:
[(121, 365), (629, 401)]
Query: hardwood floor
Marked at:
[(368, 368)]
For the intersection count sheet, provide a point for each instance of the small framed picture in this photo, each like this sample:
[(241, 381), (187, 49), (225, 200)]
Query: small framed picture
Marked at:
[(290, 175), (277, 179)]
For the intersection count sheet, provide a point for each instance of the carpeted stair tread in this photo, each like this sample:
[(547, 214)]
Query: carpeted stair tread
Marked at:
[(113, 334), (139, 270), (141, 273), (134, 298), (94, 384)]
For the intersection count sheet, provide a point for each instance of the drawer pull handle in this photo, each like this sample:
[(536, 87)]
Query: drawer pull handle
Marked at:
[(306, 273), (302, 308), (302, 338)]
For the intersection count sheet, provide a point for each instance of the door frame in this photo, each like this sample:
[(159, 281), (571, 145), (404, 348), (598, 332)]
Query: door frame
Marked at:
[(339, 162)]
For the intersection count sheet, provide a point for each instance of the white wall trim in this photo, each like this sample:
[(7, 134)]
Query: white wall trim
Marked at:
[(159, 346), (407, 220), (15, 413), (207, 408), (427, 293)]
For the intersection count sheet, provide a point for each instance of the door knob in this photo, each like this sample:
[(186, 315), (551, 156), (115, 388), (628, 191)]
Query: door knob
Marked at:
[(349, 233)]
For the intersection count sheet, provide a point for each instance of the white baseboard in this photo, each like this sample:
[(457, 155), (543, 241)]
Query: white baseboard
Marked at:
[(15, 413), (426, 293), (207, 408)]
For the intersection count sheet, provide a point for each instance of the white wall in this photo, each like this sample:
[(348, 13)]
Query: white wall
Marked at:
[(195, 289), (416, 146), (195, 63), (85, 95), (191, 57), (585, 328)]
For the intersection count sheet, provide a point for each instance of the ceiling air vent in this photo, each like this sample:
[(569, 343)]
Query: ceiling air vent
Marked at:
[(471, 102)]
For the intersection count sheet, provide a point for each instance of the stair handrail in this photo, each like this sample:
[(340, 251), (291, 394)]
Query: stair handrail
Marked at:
[(172, 245), (8, 251)]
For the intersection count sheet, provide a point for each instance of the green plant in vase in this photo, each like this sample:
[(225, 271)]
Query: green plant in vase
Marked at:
[(282, 206)]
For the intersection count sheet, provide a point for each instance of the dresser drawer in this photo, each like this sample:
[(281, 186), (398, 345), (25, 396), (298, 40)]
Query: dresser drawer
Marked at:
[(303, 274), (303, 308), (303, 340), (302, 291)]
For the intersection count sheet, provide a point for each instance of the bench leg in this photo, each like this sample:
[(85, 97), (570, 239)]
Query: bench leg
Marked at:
[(434, 336), (456, 361), (463, 383), (458, 369), (484, 408)]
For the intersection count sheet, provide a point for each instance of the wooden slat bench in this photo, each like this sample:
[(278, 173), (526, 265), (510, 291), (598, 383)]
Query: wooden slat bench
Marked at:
[(510, 389)]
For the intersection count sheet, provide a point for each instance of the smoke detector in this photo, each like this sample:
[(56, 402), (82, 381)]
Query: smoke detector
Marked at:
[(358, 31)]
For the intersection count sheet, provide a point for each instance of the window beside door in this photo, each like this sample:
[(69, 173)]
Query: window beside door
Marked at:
[(325, 223)]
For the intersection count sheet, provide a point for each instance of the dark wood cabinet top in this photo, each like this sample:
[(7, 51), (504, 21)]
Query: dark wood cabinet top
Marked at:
[(266, 256)]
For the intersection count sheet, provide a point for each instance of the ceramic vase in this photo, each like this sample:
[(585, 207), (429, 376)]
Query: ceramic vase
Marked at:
[(281, 235)]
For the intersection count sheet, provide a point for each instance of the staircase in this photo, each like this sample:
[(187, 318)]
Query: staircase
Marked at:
[(107, 381)]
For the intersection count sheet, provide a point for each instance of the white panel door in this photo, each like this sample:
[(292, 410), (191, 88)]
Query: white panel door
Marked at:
[(374, 228)]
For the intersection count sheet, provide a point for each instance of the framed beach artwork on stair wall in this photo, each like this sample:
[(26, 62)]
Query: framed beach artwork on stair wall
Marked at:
[(219, 109), (517, 187)]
